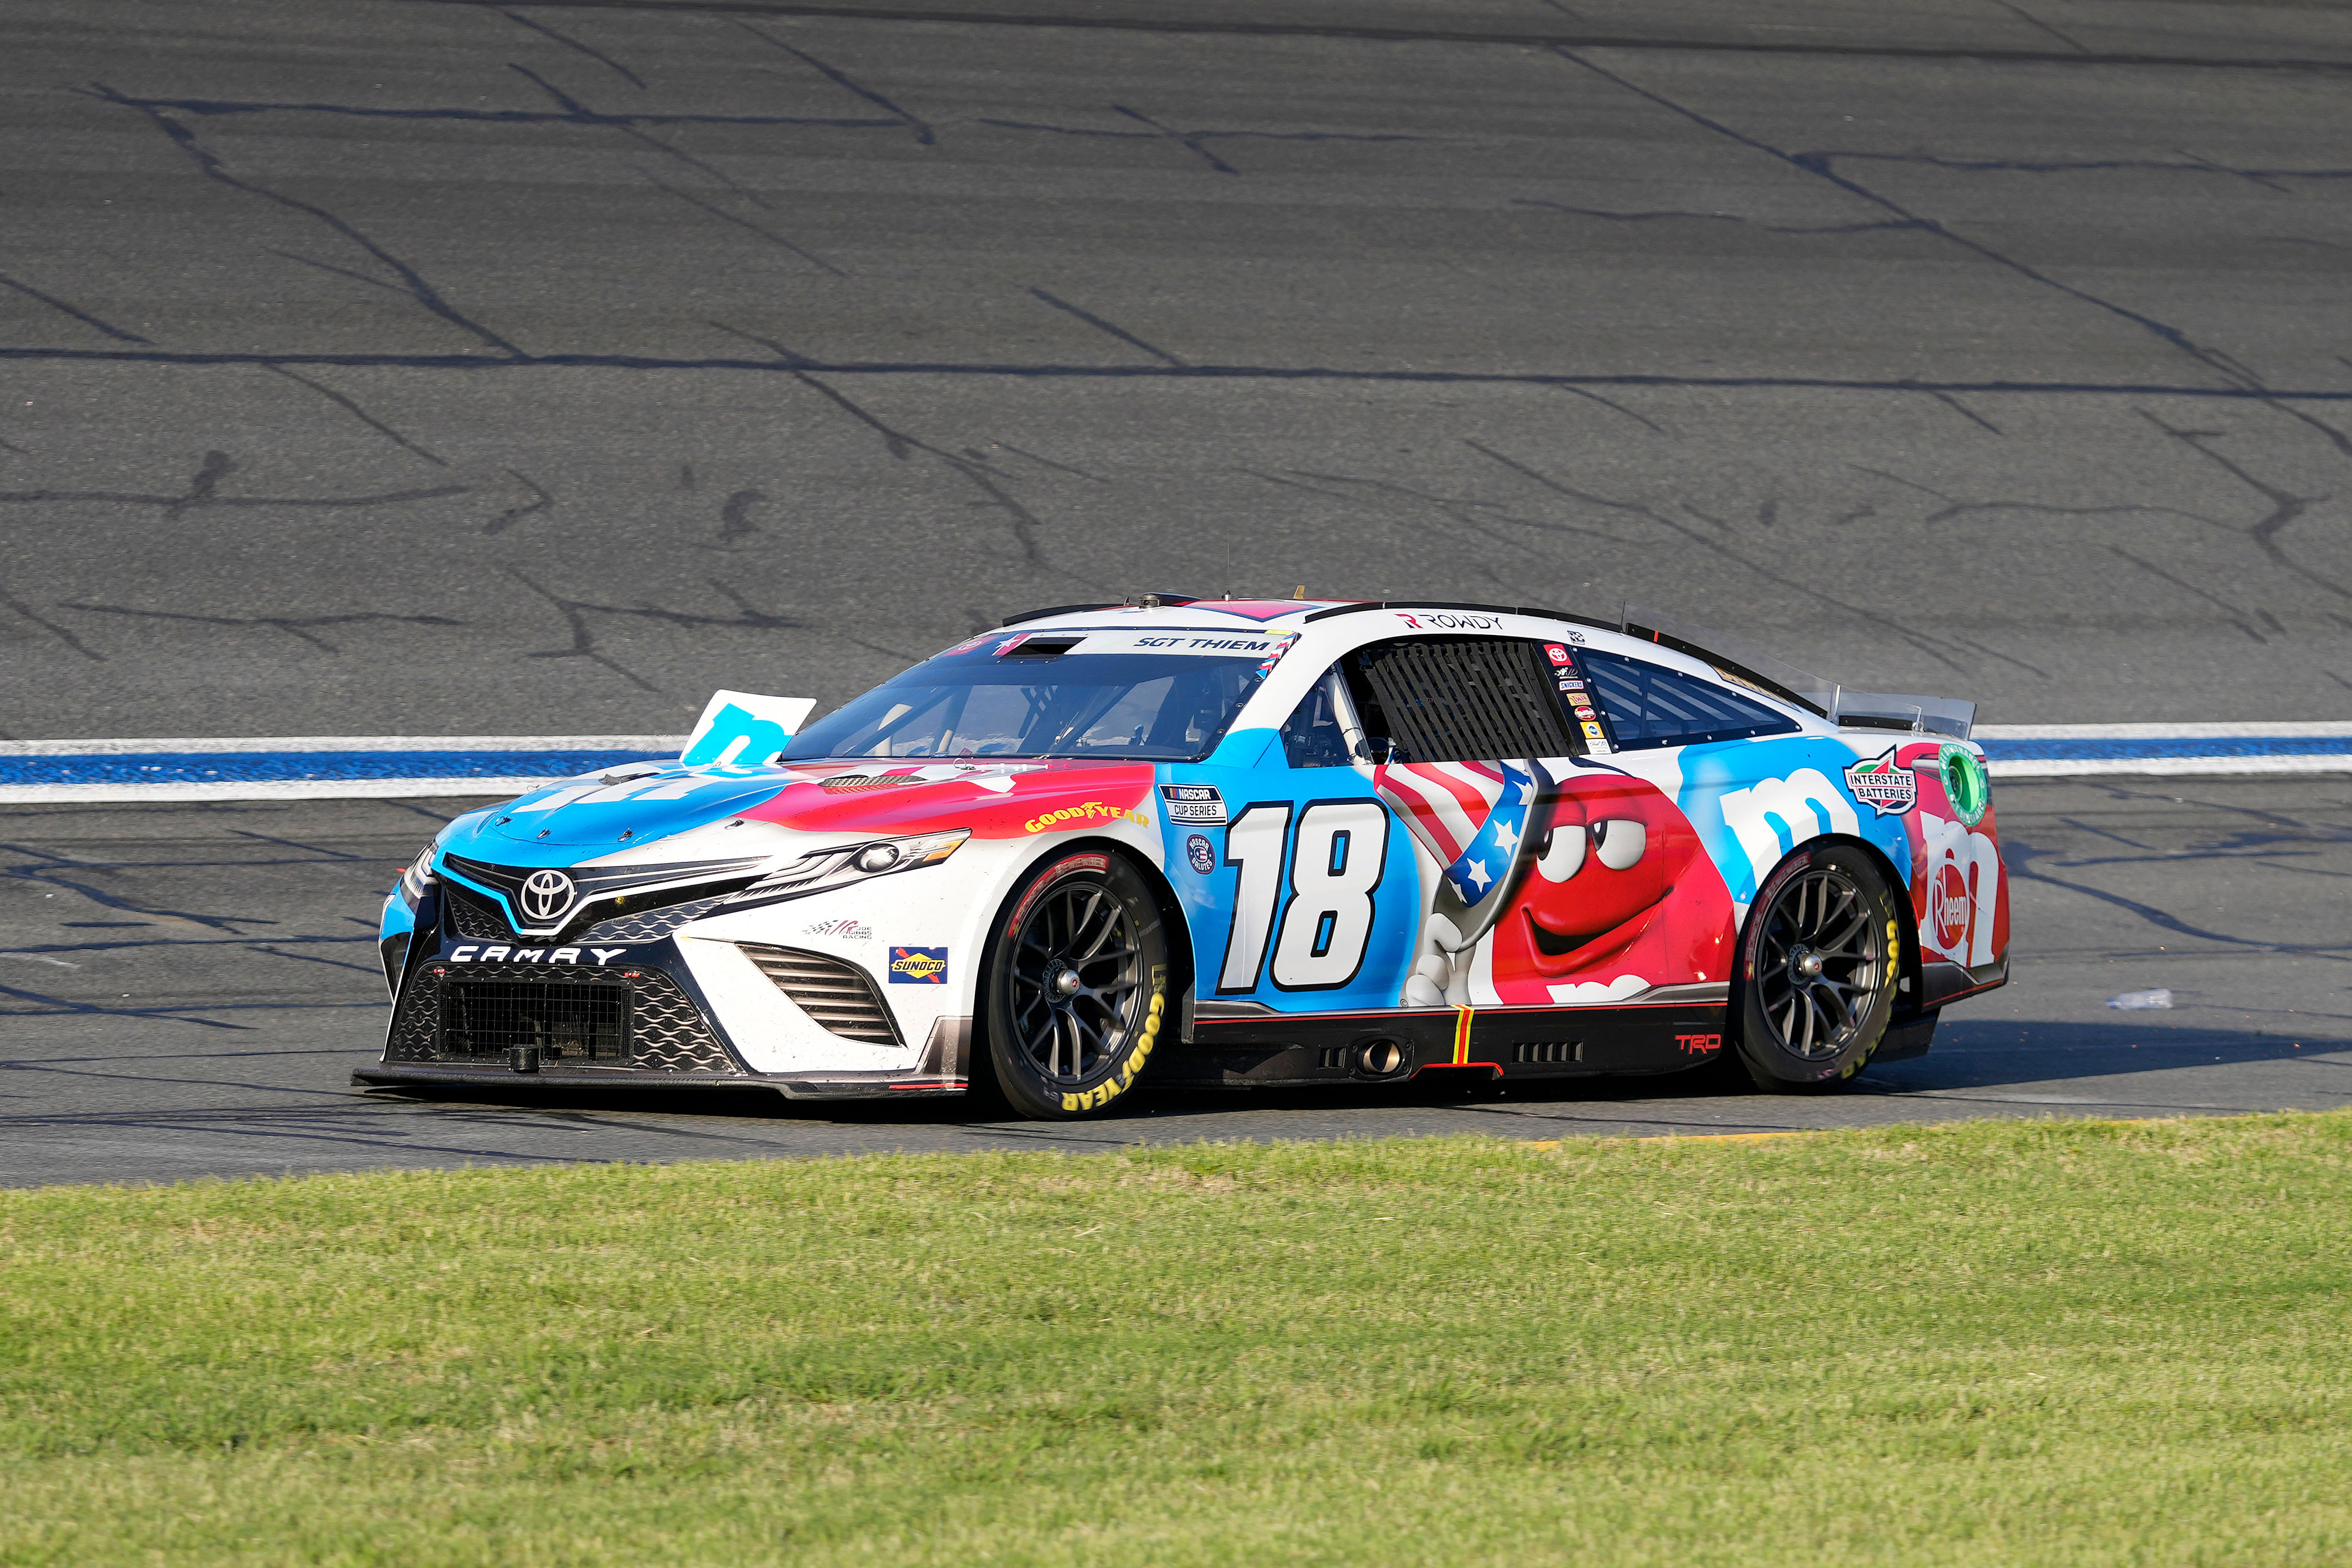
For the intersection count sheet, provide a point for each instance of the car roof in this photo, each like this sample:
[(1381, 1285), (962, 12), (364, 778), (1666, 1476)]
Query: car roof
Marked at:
[(1342, 623), (1278, 614), (1333, 626)]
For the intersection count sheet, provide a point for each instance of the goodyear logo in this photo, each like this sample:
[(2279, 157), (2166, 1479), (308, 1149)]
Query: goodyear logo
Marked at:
[(919, 965), (1121, 1082), (1090, 812)]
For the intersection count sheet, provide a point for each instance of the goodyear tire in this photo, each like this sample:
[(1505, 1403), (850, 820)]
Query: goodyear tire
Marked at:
[(1078, 987), (1818, 965)]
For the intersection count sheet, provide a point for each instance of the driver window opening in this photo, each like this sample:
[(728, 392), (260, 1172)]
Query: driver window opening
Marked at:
[(1456, 699), (1323, 730)]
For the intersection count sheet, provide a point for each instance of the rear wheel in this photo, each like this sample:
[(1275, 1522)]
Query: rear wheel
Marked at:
[(1078, 987), (1817, 970)]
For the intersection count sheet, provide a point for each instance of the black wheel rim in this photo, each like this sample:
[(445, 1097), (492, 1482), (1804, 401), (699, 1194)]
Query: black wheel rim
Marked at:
[(1820, 964), (1077, 983)]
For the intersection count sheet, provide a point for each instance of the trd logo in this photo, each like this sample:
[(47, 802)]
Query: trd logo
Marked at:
[(1699, 1044)]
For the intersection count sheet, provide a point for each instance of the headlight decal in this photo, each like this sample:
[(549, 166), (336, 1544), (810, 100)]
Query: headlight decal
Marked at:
[(418, 876), (843, 864)]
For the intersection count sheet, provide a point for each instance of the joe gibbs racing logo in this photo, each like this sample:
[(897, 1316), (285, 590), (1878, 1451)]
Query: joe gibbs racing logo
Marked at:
[(1090, 812)]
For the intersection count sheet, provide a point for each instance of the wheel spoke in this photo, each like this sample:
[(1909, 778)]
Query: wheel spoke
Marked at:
[(1838, 944), (1110, 999), (1085, 922), (1845, 900), (1825, 1029)]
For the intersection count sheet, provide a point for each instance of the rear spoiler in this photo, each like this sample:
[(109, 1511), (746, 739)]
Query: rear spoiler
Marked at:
[(1842, 705)]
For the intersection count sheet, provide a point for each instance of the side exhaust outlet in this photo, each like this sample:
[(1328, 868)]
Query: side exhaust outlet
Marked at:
[(1380, 1059)]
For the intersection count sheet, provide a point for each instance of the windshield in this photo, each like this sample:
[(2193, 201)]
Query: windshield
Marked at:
[(1128, 695)]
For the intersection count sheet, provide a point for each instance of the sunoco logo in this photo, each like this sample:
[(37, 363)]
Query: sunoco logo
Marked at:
[(1879, 784), (919, 965)]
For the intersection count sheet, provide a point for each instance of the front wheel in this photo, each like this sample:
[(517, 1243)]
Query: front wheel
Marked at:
[(1077, 984), (1817, 970)]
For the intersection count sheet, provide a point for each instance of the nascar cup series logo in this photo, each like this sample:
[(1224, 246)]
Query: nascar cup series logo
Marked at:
[(547, 896), (1883, 785)]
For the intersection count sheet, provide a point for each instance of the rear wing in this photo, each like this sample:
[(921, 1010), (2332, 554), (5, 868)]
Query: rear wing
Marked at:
[(1747, 665)]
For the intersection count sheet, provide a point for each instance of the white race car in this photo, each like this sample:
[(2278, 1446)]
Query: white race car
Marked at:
[(1229, 843)]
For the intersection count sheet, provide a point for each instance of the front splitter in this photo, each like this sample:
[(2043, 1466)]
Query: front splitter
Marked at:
[(840, 1086)]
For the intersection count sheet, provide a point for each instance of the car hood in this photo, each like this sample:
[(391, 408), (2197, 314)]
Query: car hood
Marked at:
[(598, 816)]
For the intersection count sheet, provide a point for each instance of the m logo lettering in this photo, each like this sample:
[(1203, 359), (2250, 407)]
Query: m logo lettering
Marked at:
[(1775, 815), (744, 729)]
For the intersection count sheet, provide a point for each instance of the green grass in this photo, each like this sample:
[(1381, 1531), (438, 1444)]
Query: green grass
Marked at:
[(1998, 1343)]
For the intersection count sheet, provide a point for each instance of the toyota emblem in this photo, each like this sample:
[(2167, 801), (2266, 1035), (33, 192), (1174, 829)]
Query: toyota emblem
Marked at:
[(547, 896)]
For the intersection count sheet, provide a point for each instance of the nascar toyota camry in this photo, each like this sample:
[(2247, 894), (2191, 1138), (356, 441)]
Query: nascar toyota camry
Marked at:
[(1227, 842)]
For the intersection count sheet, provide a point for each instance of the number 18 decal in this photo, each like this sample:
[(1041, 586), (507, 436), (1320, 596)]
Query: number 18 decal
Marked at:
[(1319, 924)]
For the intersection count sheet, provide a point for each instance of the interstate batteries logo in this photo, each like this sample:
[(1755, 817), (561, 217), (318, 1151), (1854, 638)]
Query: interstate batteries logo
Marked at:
[(1887, 789), (919, 965), (1092, 810)]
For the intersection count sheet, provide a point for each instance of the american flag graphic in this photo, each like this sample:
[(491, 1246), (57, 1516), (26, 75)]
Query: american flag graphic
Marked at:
[(1471, 817)]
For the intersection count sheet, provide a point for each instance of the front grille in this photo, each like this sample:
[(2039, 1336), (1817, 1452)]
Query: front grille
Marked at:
[(577, 1016), (415, 1022), (479, 919), (840, 996), (649, 926), (606, 893), (471, 914), (482, 1020), (667, 1031)]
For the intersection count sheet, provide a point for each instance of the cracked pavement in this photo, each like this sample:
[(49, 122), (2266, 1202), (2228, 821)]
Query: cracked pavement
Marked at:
[(525, 367), (185, 992)]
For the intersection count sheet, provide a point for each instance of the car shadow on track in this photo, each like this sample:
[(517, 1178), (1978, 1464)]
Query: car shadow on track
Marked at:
[(2003, 1054)]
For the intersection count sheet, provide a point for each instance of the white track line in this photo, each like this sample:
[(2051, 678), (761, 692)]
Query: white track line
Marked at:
[(2233, 729), (268, 790)]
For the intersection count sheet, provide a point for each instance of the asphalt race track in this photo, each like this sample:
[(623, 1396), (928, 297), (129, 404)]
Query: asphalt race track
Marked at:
[(196, 984), (413, 367)]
